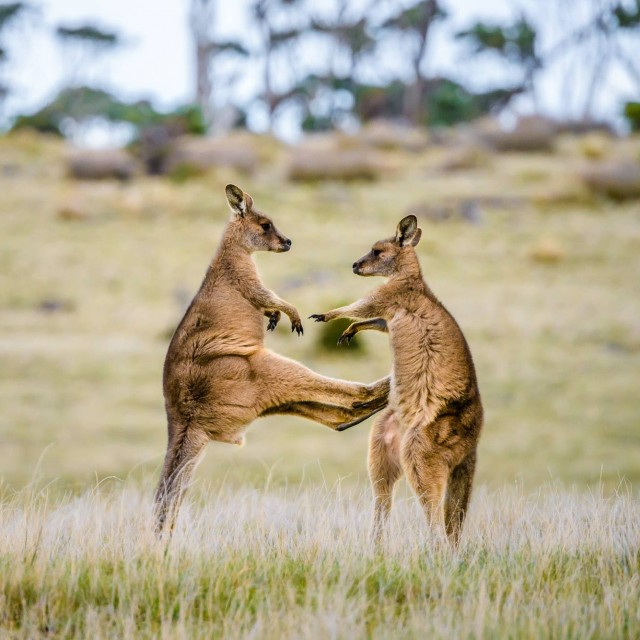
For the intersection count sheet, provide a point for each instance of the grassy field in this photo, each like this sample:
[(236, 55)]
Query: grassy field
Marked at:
[(297, 564), (95, 276)]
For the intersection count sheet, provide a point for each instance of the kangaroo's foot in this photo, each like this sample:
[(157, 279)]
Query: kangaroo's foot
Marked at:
[(353, 423)]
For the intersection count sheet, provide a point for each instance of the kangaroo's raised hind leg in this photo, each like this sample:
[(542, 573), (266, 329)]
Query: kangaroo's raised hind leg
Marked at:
[(183, 454), (332, 416), (458, 496), (384, 468), (284, 382)]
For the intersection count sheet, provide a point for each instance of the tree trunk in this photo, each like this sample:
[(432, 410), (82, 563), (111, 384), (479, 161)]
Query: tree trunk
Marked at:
[(202, 16), (203, 80)]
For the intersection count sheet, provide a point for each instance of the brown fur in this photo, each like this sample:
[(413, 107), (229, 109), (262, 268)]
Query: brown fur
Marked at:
[(218, 377), (431, 427)]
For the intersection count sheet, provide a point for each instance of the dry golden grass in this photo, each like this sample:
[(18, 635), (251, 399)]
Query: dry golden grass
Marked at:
[(297, 563)]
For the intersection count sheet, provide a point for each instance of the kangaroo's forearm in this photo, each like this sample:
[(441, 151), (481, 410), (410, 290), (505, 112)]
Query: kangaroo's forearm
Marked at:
[(375, 324), (361, 310), (269, 301), (282, 305)]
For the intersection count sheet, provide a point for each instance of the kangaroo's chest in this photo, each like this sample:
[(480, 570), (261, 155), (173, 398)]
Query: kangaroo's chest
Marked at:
[(430, 367), (419, 375)]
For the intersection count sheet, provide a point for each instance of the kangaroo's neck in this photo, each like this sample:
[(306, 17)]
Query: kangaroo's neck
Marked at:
[(409, 283), (232, 260)]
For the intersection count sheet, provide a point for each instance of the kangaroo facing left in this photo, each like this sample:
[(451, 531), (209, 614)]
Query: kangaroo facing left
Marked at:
[(218, 376)]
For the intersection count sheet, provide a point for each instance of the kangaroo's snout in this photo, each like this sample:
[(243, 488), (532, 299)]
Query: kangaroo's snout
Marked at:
[(285, 245), (356, 267)]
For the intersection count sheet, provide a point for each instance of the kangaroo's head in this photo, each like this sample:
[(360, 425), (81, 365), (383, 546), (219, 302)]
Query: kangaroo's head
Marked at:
[(393, 255), (254, 230)]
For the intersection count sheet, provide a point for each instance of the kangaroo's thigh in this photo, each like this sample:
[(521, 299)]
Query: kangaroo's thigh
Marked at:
[(427, 469), (384, 467), (384, 453), (220, 397), (282, 380)]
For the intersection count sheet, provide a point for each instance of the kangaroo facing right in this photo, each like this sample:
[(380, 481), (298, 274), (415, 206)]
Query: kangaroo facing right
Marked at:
[(431, 427)]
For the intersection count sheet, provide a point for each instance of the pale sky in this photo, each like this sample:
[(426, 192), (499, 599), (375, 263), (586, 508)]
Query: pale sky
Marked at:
[(157, 60)]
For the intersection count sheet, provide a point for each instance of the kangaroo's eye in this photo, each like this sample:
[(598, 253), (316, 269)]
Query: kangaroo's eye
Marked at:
[(266, 226), (376, 252)]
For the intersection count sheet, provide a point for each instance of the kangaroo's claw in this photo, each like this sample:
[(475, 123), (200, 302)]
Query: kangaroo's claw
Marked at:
[(274, 318), (346, 338), (318, 317), (296, 326)]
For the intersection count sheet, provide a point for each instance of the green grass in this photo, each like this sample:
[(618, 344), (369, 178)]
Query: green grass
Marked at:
[(297, 563)]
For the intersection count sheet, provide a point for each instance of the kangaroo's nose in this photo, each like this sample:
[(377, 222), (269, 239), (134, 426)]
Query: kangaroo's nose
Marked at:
[(354, 265), (288, 242)]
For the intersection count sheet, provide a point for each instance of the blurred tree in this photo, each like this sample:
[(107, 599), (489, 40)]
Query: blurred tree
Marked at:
[(84, 45), (445, 102), (207, 50), (8, 14), (514, 43), (328, 99), (280, 28), (350, 37), (604, 42), (414, 25)]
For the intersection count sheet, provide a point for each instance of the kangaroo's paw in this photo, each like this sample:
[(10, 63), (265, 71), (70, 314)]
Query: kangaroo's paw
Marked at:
[(318, 317), (347, 336), (274, 318), (296, 325)]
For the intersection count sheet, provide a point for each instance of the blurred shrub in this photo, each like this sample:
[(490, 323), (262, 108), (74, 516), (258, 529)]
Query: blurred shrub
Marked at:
[(617, 180), (184, 172), (595, 146), (444, 101), (450, 103), (465, 158), (84, 164), (190, 155), (389, 135), (84, 104), (327, 340), (531, 134), (349, 164), (632, 114)]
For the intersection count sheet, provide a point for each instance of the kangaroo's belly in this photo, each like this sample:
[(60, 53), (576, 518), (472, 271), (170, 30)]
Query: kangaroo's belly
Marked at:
[(429, 371)]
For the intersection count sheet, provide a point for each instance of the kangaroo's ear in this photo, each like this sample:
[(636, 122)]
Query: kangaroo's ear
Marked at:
[(416, 238), (407, 230), (239, 201)]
